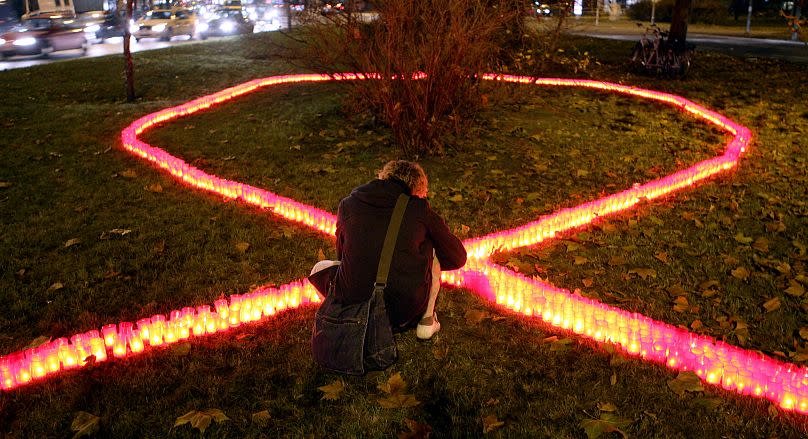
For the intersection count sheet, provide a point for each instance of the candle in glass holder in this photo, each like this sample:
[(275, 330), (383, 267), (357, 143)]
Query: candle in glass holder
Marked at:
[(110, 331), (135, 342), (67, 355), (143, 326), (156, 330), (222, 308), (119, 347), (6, 373), (98, 349)]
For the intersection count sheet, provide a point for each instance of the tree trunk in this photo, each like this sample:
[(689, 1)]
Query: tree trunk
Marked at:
[(129, 68), (681, 11)]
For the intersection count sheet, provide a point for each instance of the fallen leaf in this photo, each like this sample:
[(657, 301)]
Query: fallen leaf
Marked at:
[(676, 290), (761, 244), (320, 255), (696, 325), (804, 332), (644, 273), (242, 247), (579, 260), (491, 423), (129, 173), (741, 331), (331, 392), (56, 286), (795, 289), (613, 378), (709, 403), (661, 256), (772, 304), (456, 198), (607, 407), (159, 247), (72, 242), (686, 381), (84, 424), (706, 285), (474, 316), (740, 273), (395, 388), (417, 430), (261, 418), (154, 188), (560, 345), (680, 304), (114, 232), (587, 282), (743, 239), (5, 184), (201, 420), (616, 260), (608, 423)]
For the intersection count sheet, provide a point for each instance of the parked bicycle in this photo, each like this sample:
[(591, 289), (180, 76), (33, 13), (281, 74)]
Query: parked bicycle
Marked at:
[(658, 55)]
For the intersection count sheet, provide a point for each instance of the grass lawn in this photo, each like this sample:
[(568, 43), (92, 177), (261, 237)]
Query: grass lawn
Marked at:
[(772, 28), (533, 152)]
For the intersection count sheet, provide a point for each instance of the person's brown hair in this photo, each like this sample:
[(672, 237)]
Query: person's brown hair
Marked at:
[(410, 173)]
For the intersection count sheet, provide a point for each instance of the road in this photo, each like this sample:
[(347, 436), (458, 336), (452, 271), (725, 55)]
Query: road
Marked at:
[(793, 51), (111, 46)]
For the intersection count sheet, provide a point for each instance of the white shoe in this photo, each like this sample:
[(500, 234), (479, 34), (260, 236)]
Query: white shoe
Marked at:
[(426, 331)]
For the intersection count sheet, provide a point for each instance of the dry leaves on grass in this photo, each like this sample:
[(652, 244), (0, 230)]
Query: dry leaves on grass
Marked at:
[(84, 424), (332, 392), (686, 381), (795, 289), (395, 388), (491, 423), (475, 316), (261, 418), (416, 429), (772, 304), (740, 273), (644, 273), (114, 232), (156, 188), (242, 247), (201, 420), (71, 242), (608, 423)]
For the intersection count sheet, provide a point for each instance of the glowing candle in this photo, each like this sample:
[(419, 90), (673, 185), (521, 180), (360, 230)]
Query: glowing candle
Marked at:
[(99, 349), (143, 326), (110, 331), (156, 330), (119, 347), (135, 342)]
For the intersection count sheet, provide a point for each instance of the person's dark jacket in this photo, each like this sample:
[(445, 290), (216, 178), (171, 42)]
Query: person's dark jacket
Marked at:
[(362, 222)]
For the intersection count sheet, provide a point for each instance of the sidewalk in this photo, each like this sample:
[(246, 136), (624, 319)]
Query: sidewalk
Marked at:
[(625, 25)]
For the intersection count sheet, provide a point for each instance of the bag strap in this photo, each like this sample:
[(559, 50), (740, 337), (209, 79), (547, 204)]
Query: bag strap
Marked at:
[(390, 242)]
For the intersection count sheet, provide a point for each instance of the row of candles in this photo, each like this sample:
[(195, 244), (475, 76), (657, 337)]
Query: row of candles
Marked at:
[(126, 338), (716, 362)]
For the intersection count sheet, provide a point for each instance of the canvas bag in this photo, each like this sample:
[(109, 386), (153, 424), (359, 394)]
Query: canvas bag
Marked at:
[(357, 338)]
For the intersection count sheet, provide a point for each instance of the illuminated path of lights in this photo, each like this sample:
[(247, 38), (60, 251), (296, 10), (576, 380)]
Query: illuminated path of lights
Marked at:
[(716, 362)]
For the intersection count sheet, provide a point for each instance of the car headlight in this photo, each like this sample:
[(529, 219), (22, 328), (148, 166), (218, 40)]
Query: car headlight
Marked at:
[(133, 28), (93, 28), (159, 28), (2, 41), (27, 41), (202, 26), (227, 26)]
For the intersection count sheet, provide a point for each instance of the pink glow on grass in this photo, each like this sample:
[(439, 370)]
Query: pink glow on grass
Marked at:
[(739, 370)]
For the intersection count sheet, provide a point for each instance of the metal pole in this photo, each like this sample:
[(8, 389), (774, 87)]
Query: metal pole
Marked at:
[(749, 19), (288, 14), (597, 13), (653, 11)]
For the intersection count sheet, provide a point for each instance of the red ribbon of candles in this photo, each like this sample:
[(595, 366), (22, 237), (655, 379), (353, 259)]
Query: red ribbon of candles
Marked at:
[(739, 370)]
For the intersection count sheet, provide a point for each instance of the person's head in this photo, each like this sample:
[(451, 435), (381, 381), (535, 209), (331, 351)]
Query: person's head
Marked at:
[(408, 172)]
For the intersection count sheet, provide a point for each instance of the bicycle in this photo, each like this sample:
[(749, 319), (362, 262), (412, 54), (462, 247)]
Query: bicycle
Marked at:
[(661, 56)]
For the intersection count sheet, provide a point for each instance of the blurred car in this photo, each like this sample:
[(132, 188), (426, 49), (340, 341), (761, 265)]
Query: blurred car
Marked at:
[(42, 35), (164, 24), (91, 23), (226, 21), (111, 27)]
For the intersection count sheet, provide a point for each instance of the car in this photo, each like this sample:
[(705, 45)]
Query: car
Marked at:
[(164, 24), (112, 26), (226, 21), (42, 35), (91, 22)]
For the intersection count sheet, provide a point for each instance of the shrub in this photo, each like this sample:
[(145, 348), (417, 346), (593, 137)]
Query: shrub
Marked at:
[(451, 41)]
